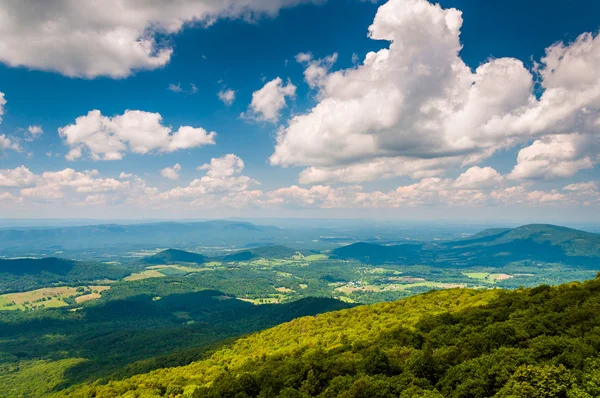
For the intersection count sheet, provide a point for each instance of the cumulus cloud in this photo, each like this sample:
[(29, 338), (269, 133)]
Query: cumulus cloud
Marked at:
[(417, 99), (268, 102), (172, 173), (227, 96), (109, 38), (557, 156), (316, 70), (34, 132), (17, 177), (223, 176), (225, 166), (224, 185), (7, 143), (108, 138)]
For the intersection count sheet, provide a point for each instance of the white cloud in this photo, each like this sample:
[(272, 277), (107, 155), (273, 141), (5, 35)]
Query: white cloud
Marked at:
[(316, 70), (35, 131), (172, 173), (69, 185), (7, 143), (268, 102), (582, 186), (376, 169), (176, 88), (224, 186), (108, 138), (557, 156), (418, 100), (17, 177), (479, 178), (227, 96), (225, 166), (125, 176), (223, 176), (108, 38), (2, 103)]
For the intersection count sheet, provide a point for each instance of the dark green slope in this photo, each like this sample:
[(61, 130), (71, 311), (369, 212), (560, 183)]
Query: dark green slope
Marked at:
[(31, 273), (173, 256), (377, 254), (136, 334), (496, 247), (540, 342), (535, 242)]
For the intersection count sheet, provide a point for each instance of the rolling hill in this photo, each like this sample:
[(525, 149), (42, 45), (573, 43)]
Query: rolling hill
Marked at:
[(378, 254), (31, 273), (535, 242), (173, 256), (455, 343), (495, 247), (17, 240)]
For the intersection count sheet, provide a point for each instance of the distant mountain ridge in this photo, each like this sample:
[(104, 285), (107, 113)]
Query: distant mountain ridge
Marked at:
[(171, 256), (494, 247), (141, 235)]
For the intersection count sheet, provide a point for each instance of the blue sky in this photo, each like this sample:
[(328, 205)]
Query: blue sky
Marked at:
[(55, 81)]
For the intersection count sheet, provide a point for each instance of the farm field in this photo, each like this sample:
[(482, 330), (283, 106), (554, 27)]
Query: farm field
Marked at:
[(50, 297)]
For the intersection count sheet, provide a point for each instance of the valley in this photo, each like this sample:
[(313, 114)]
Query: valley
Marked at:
[(88, 319)]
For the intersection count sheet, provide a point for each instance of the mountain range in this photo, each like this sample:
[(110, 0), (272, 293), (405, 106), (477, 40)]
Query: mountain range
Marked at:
[(494, 247)]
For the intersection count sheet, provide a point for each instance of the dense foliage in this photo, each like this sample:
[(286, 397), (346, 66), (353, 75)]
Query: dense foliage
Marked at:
[(28, 273), (540, 342), (117, 337), (173, 256)]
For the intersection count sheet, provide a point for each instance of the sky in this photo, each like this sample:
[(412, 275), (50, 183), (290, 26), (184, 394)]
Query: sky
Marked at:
[(404, 109)]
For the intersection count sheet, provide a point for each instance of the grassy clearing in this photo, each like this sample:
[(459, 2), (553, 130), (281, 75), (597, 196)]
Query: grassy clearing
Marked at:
[(487, 277), (150, 273), (316, 257), (49, 297)]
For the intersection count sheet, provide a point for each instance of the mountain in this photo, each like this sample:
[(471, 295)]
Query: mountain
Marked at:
[(114, 338), (19, 240), (31, 273), (173, 256), (539, 342), (494, 248), (377, 254), (32, 266), (535, 242)]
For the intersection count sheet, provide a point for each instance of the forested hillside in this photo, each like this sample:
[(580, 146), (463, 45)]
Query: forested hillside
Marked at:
[(540, 342), (30, 273)]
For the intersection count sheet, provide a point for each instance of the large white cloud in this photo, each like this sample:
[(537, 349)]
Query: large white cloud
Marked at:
[(418, 100), (110, 37), (268, 102), (557, 156), (6, 142), (17, 177), (224, 186), (108, 138)]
